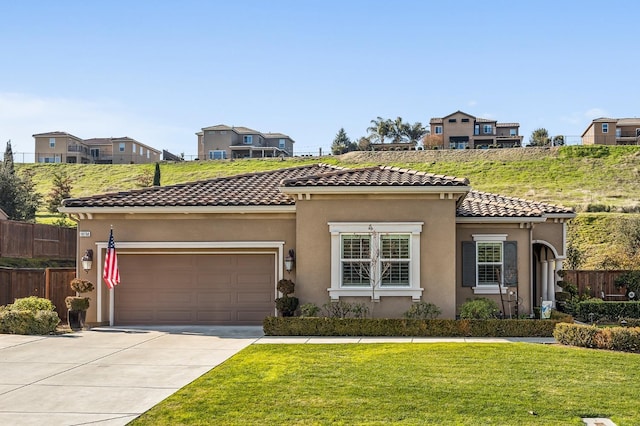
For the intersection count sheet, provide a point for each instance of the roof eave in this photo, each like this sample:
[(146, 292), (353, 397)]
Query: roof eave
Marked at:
[(364, 189), (180, 210), (499, 219)]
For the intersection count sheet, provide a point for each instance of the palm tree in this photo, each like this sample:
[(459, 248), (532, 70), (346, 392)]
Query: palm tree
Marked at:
[(380, 129), (398, 129), (414, 132)]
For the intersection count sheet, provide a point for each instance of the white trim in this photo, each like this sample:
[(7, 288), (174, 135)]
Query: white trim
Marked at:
[(489, 237), (500, 219), (489, 289), (413, 228), (181, 210), (212, 245)]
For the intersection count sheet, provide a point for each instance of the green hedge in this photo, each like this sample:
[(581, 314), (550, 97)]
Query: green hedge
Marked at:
[(299, 326), (607, 311), (14, 321), (626, 339)]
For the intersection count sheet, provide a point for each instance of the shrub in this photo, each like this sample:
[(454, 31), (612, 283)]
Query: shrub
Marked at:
[(606, 311), (323, 326), (309, 310), (479, 308), (287, 305), (630, 280), (76, 303), (286, 287), (26, 321), (422, 310), (625, 339), (32, 304), (342, 309), (81, 286)]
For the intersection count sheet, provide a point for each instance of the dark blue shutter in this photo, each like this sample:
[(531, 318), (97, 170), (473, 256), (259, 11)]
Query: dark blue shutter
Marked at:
[(510, 263), (468, 264)]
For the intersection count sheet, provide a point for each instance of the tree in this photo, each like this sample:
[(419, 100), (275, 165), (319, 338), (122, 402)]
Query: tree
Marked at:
[(430, 141), (8, 158), (539, 137), (156, 175), (18, 198), (60, 190), (414, 132), (397, 129), (380, 129), (558, 140), (364, 144), (341, 143)]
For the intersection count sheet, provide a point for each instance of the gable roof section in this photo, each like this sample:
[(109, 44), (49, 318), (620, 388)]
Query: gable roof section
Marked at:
[(486, 205), (273, 189)]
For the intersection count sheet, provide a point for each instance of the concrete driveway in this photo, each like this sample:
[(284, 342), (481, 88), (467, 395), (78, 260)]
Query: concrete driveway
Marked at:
[(106, 376)]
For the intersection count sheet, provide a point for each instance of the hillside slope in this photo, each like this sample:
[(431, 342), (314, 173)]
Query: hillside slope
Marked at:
[(586, 178)]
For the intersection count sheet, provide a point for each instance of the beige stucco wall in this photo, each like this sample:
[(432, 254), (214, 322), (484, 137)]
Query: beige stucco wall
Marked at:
[(437, 240), (175, 228), (514, 232), (552, 233)]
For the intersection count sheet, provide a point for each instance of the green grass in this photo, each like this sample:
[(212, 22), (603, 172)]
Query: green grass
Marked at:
[(413, 384), (573, 176)]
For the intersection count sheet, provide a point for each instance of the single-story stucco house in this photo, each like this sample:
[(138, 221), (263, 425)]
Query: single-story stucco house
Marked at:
[(212, 251)]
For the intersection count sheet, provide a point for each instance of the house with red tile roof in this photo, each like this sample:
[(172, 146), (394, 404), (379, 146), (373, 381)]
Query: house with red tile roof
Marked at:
[(212, 251), (460, 130), (221, 142)]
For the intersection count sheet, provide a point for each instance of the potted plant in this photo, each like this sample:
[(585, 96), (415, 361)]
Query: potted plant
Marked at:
[(286, 304), (77, 305)]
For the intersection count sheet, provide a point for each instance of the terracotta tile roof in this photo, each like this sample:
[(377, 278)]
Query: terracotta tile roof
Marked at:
[(56, 133), (375, 176), (507, 124), (254, 189), (263, 189), (484, 204)]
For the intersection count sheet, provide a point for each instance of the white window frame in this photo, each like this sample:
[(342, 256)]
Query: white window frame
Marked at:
[(490, 238), (141, 150), (487, 129), (513, 132), (133, 148), (437, 130), (476, 129), (52, 142), (413, 229), (247, 139), (121, 147), (605, 127), (282, 143), (212, 154)]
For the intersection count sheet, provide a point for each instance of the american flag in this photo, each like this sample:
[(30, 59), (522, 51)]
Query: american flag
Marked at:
[(111, 273)]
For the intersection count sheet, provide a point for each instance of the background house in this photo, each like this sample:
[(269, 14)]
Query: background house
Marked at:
[(212, 251), (63, 147), (222, 142), (612, 131), (461, 130)]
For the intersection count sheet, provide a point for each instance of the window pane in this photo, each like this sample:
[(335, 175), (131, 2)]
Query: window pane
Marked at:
[(355, 274), (489, 252), (395, 274), (395, 247), (488, 274), (356, 247)]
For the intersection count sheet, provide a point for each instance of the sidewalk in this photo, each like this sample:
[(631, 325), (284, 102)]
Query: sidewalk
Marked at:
[(343, 340)]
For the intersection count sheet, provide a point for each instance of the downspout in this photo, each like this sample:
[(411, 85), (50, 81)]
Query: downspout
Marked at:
[(531, 283)]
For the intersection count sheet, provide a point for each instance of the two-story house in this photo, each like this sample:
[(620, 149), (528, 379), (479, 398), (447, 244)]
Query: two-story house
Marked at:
[(63, 147), (612, 131), (461, 130), (221, 142)]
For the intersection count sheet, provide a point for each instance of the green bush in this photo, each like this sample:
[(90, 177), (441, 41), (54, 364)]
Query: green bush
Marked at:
[(323, 326), (342, 309), (423, 310), (287, 305), (606, 311), (13, 321), (77, 303), (32, 304), (626, 339), (309, 310), (479, 308)]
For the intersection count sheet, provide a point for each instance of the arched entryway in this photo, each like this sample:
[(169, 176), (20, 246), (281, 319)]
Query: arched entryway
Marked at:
[(545, 266)]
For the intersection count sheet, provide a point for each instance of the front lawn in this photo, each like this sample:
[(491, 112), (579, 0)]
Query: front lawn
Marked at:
[(412, 383)]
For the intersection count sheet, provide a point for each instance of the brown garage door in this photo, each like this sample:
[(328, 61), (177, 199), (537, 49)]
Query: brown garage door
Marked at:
[(222, 289)]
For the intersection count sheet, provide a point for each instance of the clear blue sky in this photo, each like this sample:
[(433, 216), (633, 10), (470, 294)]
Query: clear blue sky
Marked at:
[(159, 71)]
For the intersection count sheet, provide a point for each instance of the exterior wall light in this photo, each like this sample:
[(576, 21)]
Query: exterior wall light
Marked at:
[(289, 261), (87, 260)]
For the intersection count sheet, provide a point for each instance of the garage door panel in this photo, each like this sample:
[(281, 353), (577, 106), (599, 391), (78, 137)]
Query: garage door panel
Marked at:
[(195, 289)]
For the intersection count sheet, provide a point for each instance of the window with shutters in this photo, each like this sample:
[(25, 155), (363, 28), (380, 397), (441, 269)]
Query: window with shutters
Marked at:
[(489, 263)]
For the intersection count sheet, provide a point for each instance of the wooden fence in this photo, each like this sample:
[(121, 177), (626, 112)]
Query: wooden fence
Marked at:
[(596, 283), (33, 240), (50, 283)]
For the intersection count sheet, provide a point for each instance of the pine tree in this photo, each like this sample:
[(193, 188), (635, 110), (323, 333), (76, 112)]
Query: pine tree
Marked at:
[(61, 189), (8, 158), (156, 175), (341, 143)]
